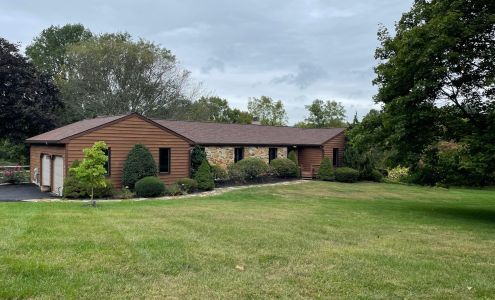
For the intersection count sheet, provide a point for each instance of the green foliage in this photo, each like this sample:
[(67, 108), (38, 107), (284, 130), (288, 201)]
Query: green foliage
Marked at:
[(198, 155), (139, 164), (284, 168), (113, 74), (104, 191), (29, 101), (187, 185), (73, 188), (325, 172), (48, 51), (204, 178), (217, 109), (376, 176), (248, 169), (150, 186), (267, 111), (346, 175), (435, 77), (218, 172), (125, 193), (293, 156), (91, 171), (175, 190), (397, 174), (15, 153), (324, 114)]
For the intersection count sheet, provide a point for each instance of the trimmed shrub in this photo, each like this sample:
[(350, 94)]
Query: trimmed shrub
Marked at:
[(125, 193), (175, 190), (198, 154), (346, 175), (250, 168), (398, 174), (219, 173), (103, 192), (325, 172), (236, 173), (204, 177), (150, 186), (293, 156), (187, 185), (376, 176), (139, 164), (73, 188), (284, 168)]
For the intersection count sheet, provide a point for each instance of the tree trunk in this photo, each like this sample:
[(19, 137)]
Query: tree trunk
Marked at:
[(93, 202)]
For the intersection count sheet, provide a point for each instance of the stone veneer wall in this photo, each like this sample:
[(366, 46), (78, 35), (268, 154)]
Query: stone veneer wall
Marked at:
[(224, 156)]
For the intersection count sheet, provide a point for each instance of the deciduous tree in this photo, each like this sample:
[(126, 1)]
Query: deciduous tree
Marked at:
[(268, 111)]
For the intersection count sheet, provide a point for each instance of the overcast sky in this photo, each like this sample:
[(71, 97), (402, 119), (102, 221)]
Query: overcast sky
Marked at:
[(295, 51)]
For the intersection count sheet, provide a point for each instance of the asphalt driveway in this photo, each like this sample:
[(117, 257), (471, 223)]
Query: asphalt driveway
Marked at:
[(10, 192)]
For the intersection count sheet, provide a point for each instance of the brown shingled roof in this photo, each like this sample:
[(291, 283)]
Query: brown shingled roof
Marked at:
[(206, 133), (64, 132)]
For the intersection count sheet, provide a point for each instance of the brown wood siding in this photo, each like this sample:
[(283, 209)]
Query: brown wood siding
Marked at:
[(308, 157), (35, 152), (337, 142), (123, 135)]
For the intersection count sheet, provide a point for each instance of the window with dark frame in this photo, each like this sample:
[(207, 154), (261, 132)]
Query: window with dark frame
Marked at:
[(164, 160), (108, 163), (238, 154), (335, 156), (272, 154)]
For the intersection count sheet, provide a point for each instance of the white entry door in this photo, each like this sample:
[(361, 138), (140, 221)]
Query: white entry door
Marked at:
[(46, 169), (58, 176)]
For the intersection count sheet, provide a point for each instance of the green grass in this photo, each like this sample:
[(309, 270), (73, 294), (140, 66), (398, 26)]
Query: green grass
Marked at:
[(309, 240)]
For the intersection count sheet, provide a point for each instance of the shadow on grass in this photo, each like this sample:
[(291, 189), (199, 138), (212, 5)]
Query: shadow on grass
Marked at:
[(482, 215)]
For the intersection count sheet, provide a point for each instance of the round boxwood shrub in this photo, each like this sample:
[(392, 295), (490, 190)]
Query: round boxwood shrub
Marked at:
[(284, 168), (150, 186), (204, 178), (251, 168), (187, 185), (346, 175), (139, 164), (325, 172)]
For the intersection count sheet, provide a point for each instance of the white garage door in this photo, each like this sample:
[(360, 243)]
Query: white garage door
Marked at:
[(46, 170), (58, 176)]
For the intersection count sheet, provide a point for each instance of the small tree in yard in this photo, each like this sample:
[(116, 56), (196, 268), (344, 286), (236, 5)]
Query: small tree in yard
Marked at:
[(91, 171), (198, 155), (139, 164), (325, 172), (204, 177)]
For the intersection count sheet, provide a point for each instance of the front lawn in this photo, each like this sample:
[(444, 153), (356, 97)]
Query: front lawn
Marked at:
[(308, 240)]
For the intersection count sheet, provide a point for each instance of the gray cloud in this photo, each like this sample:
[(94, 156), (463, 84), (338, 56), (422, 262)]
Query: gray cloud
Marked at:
[(306, 75), (287, 49)]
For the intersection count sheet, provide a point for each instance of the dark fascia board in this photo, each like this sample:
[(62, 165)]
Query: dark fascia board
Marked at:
[(45, 143), (257, 145), (67, 139)]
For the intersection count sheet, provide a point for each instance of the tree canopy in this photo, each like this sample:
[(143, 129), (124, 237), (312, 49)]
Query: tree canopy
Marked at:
[(267, 110), (48, 51), (218, 110), (111, 74), (28, 100), (324, 114)]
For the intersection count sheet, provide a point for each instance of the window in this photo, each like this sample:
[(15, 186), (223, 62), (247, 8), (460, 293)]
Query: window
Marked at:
[(108, 163), (335, 156), (238, 154), (164, 160), (272, 154)]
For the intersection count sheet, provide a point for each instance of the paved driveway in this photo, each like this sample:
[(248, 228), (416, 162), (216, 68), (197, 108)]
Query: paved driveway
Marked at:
[(19, 192)]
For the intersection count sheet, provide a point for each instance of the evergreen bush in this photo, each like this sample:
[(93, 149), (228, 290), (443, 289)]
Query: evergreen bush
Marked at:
[(325, 172), (284, 168), (150, 186), (204, 178), (346, 175), (139, 164)]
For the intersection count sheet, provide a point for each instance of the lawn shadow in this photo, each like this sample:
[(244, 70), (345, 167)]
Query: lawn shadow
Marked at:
[(482, 215)]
